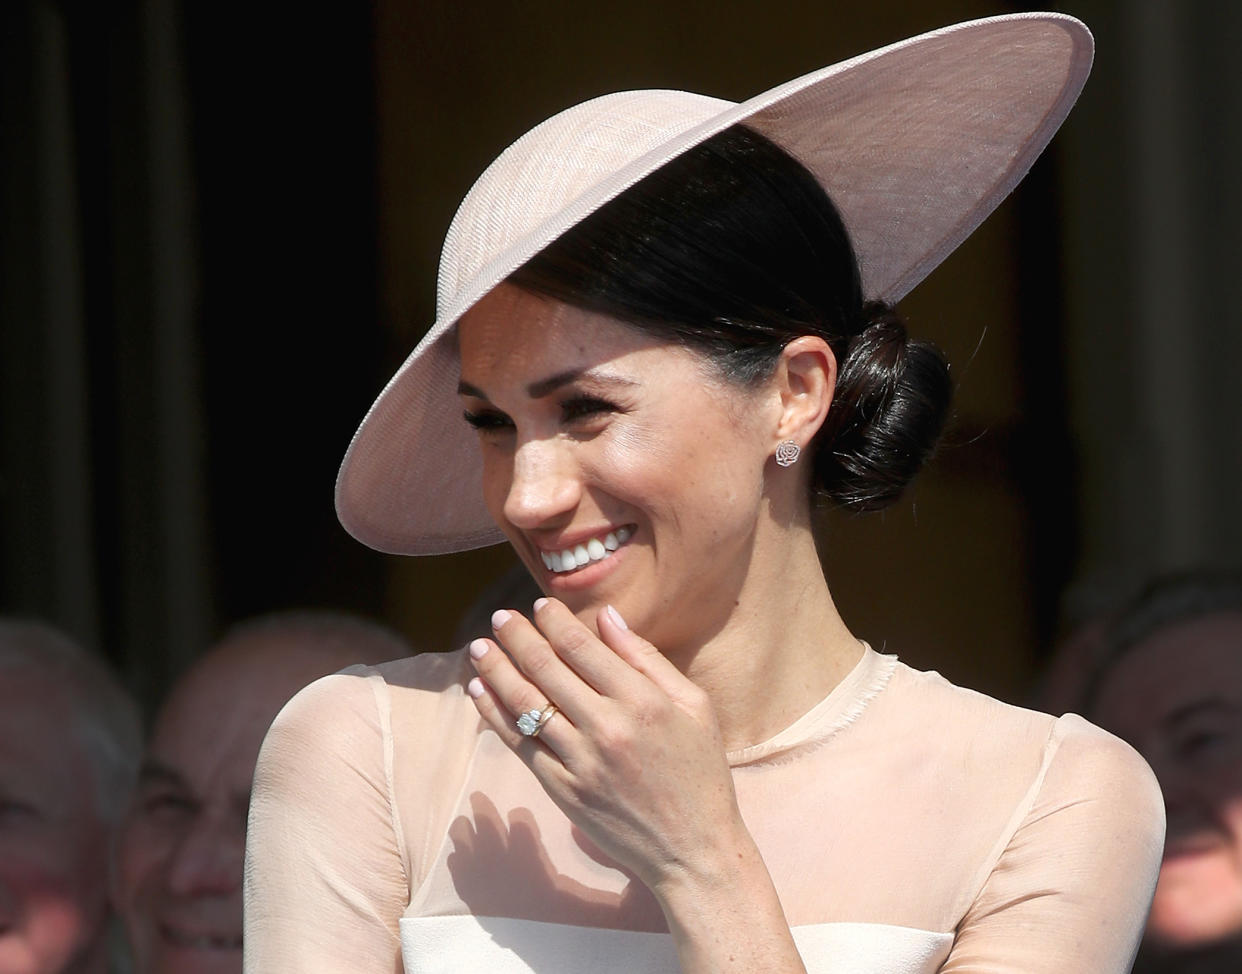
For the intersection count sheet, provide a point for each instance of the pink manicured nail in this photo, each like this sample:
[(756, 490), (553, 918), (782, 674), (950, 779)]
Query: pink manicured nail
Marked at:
[(479, 648), (616, 618), (540, 603), (500, 617), (475, 687)]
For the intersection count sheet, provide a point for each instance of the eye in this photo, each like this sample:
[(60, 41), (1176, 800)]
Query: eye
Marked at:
[(1204, 744), (488, 420), (581, 407), (13, 811), (167, 805)]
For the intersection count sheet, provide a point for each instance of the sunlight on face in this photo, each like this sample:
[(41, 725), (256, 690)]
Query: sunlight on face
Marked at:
[(620, 468), (1177, 697)]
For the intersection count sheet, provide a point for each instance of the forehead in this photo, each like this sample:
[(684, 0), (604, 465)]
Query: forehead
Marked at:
[(41, 745), (512, 332), (1177, 665), (212, 725)]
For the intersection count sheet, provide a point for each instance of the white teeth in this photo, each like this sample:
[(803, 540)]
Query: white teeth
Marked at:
[(596, 549)]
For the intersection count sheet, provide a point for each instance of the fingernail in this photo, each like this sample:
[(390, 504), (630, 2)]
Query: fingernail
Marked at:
[(540, 603), (616, 618), (479, 648), (475, 687), (500, 617)]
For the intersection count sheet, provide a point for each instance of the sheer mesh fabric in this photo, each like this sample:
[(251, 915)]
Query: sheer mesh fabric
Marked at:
[(902, 813)]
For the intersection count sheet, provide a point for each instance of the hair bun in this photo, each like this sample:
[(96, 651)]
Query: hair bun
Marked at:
[(890, 405)]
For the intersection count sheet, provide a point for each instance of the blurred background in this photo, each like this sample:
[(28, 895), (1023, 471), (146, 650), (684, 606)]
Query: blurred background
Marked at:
[(218, 237)]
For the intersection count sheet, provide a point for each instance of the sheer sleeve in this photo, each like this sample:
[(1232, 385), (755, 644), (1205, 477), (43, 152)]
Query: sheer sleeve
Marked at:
[(1070, 889), (326, 866)]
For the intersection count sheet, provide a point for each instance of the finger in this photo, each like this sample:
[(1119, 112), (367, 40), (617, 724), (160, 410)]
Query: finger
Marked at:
[(539, 663), (509, 695), (582, 650), (497, 715), (640, 654)]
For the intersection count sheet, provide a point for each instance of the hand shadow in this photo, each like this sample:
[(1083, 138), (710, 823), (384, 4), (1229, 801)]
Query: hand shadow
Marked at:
[(501, 869)]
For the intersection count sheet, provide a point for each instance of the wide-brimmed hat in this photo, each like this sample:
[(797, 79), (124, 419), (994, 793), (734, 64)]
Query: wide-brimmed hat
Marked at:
[(915, 143)]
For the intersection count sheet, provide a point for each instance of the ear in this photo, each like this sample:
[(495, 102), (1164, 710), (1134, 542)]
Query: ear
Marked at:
[(806, 377)]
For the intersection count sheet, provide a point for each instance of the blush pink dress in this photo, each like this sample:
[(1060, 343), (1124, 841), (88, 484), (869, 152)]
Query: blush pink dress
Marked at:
[(908, 825)]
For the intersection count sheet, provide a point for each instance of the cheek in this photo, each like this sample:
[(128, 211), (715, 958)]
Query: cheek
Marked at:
[(141, 857), (1231, 813), (695, 455), (54, 893), (497, 473)]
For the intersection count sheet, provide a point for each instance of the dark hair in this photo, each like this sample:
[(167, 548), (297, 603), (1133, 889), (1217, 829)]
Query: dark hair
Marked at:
[(734, 249), (1163, 603)]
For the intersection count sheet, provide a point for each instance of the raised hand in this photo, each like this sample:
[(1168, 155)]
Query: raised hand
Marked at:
[(633, 755)]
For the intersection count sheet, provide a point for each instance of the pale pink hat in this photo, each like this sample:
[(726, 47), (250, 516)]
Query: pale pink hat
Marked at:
[(916, 143)]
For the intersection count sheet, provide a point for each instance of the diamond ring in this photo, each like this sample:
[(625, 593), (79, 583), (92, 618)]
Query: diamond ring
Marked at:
[(531, 723)]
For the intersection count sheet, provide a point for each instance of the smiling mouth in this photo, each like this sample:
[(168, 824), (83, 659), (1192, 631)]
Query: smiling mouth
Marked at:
[(200, 941), (587, 553)]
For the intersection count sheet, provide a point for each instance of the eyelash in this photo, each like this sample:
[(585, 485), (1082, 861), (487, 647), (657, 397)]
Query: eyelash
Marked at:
[(580, 407), (487, 422)]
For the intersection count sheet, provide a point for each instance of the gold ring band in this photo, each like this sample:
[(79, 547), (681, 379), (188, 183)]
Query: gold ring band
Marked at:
[(532, 721)]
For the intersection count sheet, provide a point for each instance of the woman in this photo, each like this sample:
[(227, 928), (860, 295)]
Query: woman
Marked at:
[(653, 316)]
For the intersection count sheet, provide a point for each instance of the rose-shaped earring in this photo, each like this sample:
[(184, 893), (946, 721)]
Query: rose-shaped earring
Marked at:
[(787, 453)]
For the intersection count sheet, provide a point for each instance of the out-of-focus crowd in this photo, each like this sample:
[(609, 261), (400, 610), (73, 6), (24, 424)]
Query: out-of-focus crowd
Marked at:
[(119, 857)]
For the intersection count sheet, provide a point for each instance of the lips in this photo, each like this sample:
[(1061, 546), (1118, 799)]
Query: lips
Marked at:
[(586, 552)]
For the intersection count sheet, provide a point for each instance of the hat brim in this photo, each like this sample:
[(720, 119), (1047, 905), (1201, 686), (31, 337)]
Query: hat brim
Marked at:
[(916, 143)]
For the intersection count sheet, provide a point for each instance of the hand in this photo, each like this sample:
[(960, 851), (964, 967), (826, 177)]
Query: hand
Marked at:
[(633, 756)]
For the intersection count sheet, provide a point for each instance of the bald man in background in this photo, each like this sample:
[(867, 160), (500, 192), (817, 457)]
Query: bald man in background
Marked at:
[(70, 740), (179, 866)]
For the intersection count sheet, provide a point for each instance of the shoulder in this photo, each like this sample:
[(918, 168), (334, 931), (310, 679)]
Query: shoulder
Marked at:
[(342, 711), (1088, 764), (1038, 759)]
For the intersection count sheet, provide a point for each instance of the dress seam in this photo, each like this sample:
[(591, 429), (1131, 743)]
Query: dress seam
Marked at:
[(1051, 747), (383, 707)]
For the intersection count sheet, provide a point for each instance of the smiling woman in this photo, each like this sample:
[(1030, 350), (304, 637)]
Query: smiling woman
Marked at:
[(667, 320)]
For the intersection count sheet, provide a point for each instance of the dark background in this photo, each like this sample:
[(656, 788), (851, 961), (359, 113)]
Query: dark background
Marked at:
[(220, 227)]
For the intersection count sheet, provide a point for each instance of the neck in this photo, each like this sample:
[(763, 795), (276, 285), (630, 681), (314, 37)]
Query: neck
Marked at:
[(782, 646)]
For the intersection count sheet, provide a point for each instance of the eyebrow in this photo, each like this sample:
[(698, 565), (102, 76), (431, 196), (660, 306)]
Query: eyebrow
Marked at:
[(541, 388), (1196, 707)]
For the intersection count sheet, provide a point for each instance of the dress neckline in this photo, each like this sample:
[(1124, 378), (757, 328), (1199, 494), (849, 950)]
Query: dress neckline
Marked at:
[(843, 705)]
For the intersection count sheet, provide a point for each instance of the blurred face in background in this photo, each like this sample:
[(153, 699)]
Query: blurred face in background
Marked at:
[(180, 860), (1177, 697), (54, 844), (178, 884)]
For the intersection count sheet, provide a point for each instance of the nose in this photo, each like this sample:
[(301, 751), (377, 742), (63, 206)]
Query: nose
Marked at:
[(208, 859), (544, 484)]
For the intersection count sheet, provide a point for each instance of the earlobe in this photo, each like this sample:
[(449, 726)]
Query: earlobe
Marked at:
[(787, 453), (807, 377)]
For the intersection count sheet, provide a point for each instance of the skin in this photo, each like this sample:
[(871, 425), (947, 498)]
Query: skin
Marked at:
[(641, 434), (178, 883), (54, 845), (1177, 697)]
